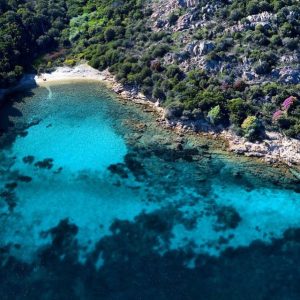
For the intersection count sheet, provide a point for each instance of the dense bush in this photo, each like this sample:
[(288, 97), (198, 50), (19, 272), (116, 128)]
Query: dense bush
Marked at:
[(27, 29), (252, 128)]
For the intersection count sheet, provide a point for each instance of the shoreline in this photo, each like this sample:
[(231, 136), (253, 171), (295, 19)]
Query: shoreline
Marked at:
[(275, 149), (85, 73), (64, 75)]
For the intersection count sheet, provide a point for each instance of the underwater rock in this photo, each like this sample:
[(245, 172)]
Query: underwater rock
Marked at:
[(201, 178), (205, 146), (134, 165), (23, 133), (176, 152), (11, 186), (223, 241), (10, 198), (119, 169), (28, 159), (237, 175), (63, 241), (58, 170), (179, 147), (156, 222), (34, 122), (228, 218), (296, 173), (24, 178), (47, 163), (292, 234)]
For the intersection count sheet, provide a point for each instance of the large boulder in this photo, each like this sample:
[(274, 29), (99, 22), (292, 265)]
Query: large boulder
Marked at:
[(289, 75), (183, 22), (200, 48)]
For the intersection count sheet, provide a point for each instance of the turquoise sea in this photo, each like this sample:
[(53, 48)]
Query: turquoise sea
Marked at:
[(97, 201)]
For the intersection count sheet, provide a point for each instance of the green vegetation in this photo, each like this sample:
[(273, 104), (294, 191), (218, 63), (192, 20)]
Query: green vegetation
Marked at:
[(252, 128), (119, 35), (27, 29)]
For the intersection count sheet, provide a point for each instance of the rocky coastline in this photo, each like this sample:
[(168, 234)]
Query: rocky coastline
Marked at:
[(274, 149)]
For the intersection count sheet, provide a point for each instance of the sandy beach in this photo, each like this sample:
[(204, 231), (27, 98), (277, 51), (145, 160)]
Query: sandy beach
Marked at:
[(82, 72)]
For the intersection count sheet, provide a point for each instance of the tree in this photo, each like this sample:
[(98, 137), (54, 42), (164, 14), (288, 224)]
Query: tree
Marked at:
[(262, 68), (252, 128), (238, 110), (109, 34), (214, 115), (172, 18), (252, 7)]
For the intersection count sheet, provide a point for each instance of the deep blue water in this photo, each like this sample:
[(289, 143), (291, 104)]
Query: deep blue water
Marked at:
[(99, 202)]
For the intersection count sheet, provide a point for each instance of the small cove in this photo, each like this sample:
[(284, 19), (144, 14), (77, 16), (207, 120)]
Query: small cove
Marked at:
[(90, 182)]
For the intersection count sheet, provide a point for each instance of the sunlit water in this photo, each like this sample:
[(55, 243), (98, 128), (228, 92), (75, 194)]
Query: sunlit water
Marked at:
[(94, 183)]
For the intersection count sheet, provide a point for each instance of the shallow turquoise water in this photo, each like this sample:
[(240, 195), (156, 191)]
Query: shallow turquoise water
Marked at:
[(90, 182)]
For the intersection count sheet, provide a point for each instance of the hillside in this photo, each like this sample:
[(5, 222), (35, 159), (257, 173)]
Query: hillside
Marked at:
[(233, 63)]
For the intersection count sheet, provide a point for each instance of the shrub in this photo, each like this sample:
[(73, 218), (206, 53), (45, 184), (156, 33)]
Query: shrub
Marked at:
[(252, 8), (290, 43), (214, 115), (239, 85), (238, 110), (262, 68), (286, 30), (160, 51), (252, 128), (70, 62), (174, 110), (248, 122), (236, 15), (208, 99), (174, 71), (276, 40), (285, 122), (173, 19), (158, 93), (109, 34)]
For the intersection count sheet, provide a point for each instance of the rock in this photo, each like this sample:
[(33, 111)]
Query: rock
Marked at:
[(264, 17), (118, 88), (248, 76), (228, 217), (289, 76), (296, 173), (211, 65), (188, 3), (289, 58), (179, 147), (119, 169), (183, 22), (28, 159), (47, 163), (274, 148), (200, 48), (160, 23)]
